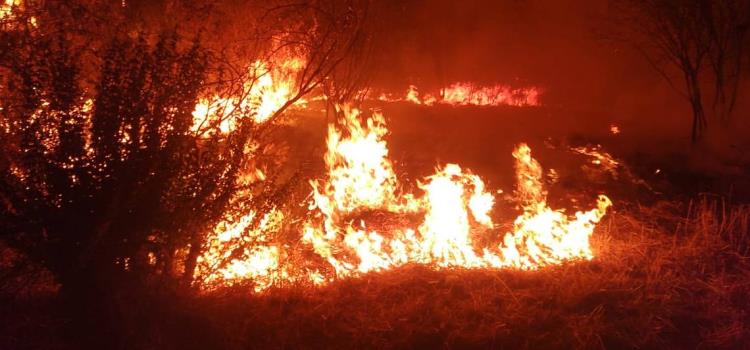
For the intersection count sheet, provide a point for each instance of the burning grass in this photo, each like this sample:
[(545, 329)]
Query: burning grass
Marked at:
[(455, 205), (659, 280)]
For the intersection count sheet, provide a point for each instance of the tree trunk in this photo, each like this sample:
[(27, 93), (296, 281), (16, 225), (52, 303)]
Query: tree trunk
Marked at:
[(699, 121), (696, 102)]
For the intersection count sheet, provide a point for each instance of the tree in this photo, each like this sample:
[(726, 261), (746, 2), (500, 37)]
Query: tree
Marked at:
[(704, 40), (106, 184), (330, 38), (105, 179)]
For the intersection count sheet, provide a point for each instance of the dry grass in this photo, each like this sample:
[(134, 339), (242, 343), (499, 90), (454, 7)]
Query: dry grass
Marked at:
[(660, 280)]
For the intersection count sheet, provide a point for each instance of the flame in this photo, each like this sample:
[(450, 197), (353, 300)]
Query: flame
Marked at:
[(412, 95), (238, 251), (7, 7), (599, 158), (361, 220), (454, 206), (360, 175), (274, 85), (543, 236), (468, 94)]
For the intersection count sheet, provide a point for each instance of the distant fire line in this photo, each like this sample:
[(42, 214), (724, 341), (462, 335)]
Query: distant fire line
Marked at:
[(469, 94)]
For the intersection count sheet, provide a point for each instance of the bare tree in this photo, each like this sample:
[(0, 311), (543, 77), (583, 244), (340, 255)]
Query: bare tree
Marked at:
[(702, 39)]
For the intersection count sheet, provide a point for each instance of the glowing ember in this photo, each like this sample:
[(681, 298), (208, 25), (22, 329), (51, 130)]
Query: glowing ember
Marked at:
[(467, 94), (600, 158)]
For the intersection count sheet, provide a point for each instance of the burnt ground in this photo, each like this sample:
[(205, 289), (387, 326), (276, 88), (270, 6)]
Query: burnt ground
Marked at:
[(671, 269)]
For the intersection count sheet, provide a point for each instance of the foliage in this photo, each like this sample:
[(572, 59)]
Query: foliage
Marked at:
[(102, 181)]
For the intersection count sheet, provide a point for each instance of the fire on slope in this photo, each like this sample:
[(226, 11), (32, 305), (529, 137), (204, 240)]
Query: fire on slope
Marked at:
[(362, 220), (272, 84)]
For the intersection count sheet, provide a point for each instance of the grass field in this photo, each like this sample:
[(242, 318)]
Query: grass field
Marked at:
[(660, 280), (671, 271)]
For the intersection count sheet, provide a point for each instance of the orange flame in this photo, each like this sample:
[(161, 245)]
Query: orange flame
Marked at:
[(7, 7), (273, 87), (236, 251), (362, 221), (454, 206), (599, 158)]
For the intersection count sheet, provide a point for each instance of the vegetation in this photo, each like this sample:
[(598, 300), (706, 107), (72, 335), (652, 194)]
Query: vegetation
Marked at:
[(661, 279), (108, 190), (105, 182)]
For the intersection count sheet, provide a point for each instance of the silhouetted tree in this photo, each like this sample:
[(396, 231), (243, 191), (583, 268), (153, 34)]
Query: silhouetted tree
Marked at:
[(104, 178), (107, 186), (704, 40)]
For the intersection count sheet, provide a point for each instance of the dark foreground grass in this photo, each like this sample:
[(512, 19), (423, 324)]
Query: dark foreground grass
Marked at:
[(660, 280)]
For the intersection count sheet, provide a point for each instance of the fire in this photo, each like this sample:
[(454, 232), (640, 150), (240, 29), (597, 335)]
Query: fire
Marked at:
[(10, 10), (273, 86), (359, 171), (454, 206), (361, 219), (599, 158), (468, 94), (239, 251), (543, 236), (7, 7)]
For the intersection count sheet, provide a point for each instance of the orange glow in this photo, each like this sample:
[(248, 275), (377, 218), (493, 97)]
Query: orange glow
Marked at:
[(599, 158), (238, 251)]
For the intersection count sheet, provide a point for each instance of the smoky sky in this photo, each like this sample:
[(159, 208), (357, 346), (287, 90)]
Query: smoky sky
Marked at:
[(562, 46), (565, 47)]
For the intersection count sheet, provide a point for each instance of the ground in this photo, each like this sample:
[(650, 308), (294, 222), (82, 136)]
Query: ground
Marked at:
[(650, 286), (670, 271)]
